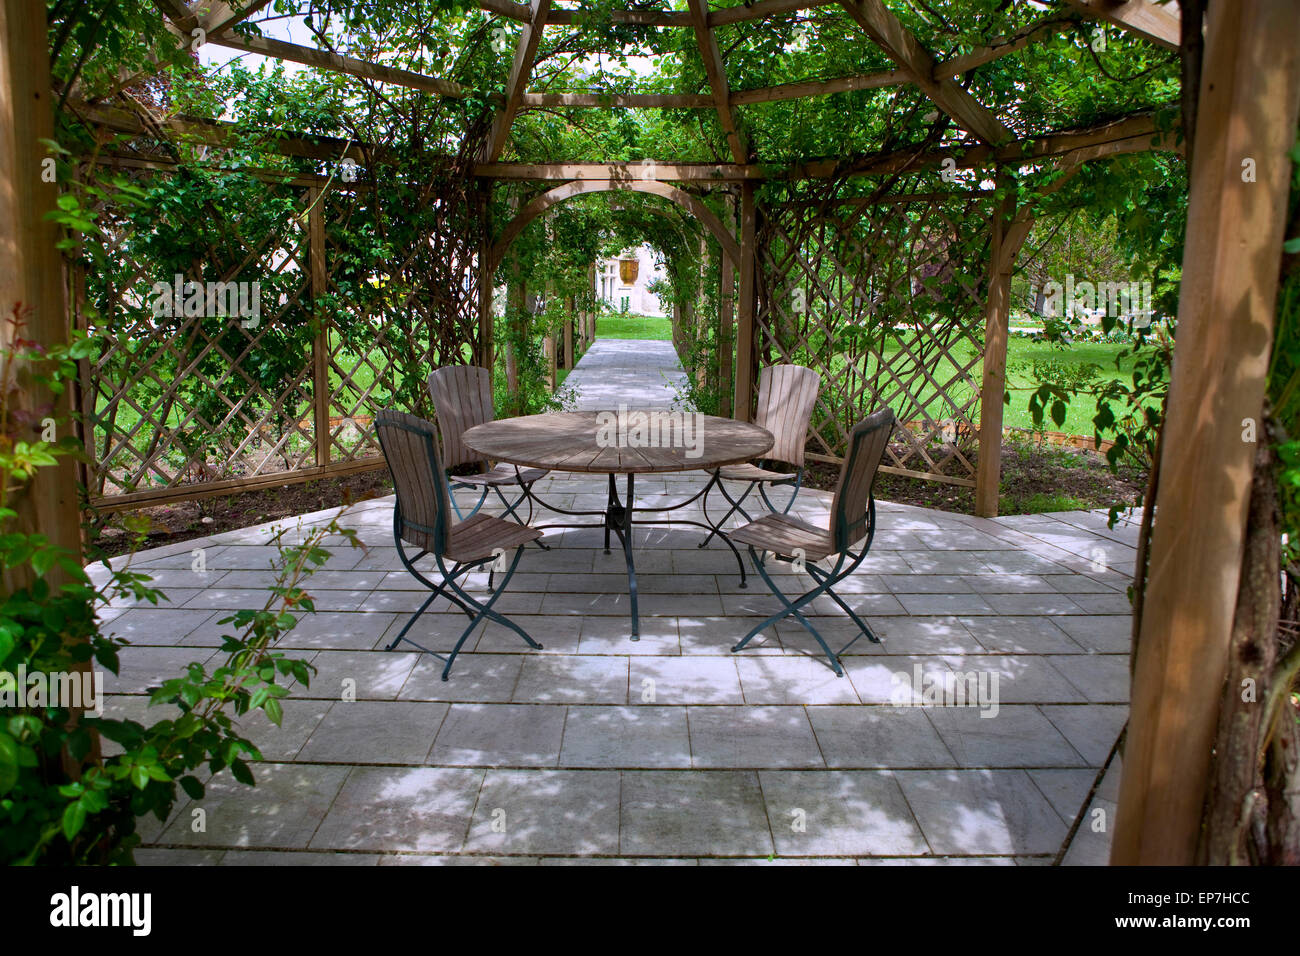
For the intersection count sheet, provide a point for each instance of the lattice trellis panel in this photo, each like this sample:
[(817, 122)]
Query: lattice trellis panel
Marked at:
[(884, 299), (220, 388), (398, 319), (179, 404)]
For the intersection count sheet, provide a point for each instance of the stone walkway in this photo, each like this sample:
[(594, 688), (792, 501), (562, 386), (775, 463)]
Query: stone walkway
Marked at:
[(637, 372), (672, 749)]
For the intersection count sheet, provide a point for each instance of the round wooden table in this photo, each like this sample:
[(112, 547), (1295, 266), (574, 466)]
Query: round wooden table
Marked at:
[(627, 442)]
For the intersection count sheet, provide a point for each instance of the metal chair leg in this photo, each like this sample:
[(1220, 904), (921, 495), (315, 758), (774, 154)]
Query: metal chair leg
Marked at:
[(735, 506), (485, 611), (792, 608)]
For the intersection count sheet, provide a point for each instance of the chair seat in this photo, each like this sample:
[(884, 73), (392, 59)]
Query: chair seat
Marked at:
[(478, 537), (501, 475), (751, 472), (784, 534)]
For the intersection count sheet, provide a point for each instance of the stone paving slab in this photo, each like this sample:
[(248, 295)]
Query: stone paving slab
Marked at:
[(671, 750)]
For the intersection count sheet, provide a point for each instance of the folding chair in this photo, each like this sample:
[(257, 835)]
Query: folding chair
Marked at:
[(853, 519), (786, 395), (462, 398), (421, 518)]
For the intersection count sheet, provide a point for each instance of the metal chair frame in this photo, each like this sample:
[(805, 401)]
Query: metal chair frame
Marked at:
[(475, 610), (847, 561)]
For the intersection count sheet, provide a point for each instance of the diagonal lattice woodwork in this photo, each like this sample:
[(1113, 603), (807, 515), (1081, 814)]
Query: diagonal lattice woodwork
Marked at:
[(884, 299)]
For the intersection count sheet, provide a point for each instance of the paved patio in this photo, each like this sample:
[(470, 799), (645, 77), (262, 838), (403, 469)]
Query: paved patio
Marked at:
[(671, 749)]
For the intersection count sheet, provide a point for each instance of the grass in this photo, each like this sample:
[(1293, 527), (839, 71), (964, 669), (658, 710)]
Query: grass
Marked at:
[(1021, 356), (632, 326)]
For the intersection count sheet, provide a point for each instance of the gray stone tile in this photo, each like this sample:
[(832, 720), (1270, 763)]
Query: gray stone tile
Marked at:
[(685, 680), (284, 809), (678, 812), (919, 635), (297, 858), (945, 604), (338, 631), (1020, 635), (1065, 790), (944, 562), (500, 735), (141, 668), (1016, 678), (421, 809), (612, 635), (982, 812), (1032, 604), (1103, 678), (1103, 633), (573, 679), (867, 737), (792, 680), (474, 678), (557, 635), (1090, 728), (926, 583), (298, 720), (156, 626), (370, 675), (1019, 736), (752, 737), (890, 679), (627, 737), (164, 856), (546, 811), (373, 731), (859, 813)]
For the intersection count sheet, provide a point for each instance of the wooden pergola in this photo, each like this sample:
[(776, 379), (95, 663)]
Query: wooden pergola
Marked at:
[(1248, 103)]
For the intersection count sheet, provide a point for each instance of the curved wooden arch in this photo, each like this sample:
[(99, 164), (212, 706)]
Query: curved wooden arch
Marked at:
[(552, 197)]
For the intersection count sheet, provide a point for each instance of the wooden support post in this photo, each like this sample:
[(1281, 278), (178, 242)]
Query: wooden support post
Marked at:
[(745, 306), (997, 308), (516, 302), (320, 346), (568, 332), (1249, 99), (548, 347), (726, 333), (31, 268), (486, 332)]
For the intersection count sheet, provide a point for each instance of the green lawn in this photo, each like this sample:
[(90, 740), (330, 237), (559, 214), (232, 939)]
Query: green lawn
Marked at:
[(1021, 356), (632, 326)]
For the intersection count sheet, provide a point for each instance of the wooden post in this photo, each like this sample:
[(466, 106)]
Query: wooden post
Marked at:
[(726, 320), (516, 301), (1249, 99), (320, 348), (487, 347), (591, 313), (988, 472), (568, 333), (745, 371), (31, 268)]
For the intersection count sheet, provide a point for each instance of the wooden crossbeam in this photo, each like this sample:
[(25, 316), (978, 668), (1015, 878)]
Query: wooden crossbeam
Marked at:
[(619, 100), (987, 54), (717, 78), (891, 36), (517, 84), (1159, 23), (1135, 133), (790, 91), (338, 63), (766, 94)]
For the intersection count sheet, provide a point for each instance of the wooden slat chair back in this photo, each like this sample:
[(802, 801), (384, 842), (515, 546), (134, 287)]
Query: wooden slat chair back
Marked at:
[(462, 398), (852, 520), (423, 518), (423, 501), (850, 506), (786, 396)]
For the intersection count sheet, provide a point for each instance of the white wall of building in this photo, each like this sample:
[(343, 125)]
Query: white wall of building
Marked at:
[(611, 289)]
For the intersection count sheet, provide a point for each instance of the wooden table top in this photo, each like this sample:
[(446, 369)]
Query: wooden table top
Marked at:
[(607, 443)]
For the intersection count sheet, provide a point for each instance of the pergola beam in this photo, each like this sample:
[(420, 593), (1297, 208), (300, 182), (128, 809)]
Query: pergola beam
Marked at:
[(791, 91), (695, 101), (1159, 23), (517, 84), (717, 75), (1248, 106), (890, 35), (965, 62)]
